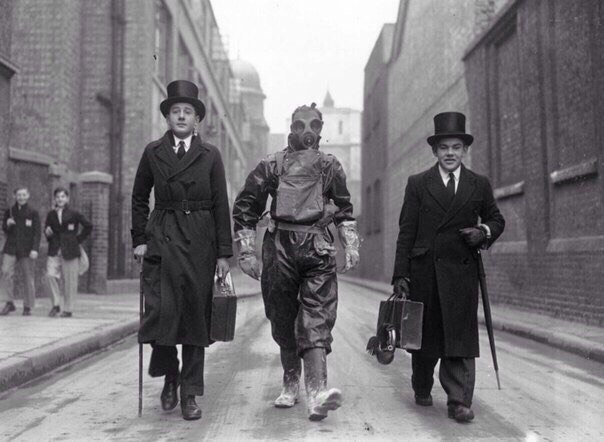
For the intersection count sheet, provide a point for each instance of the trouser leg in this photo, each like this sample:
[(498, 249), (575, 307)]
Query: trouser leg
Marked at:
[(191, 377), (28, 266), (53, 274), (280, 285), (70, 277), (164, 361), (7, 278), (318, 299), (458, 376), (422, 378)]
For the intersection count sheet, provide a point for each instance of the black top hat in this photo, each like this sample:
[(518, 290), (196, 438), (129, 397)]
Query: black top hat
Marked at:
[(183, 91), (450, 124)]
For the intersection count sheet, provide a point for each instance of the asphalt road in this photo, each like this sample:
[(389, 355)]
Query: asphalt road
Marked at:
[(547, 394)]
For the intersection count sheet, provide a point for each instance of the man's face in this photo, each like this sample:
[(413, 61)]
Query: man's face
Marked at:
[(306, 127), (61, 199), (22, 196), (182, 119), (449, 152)]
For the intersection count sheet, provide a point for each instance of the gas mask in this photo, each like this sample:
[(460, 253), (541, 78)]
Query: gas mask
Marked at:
[(306, 128)]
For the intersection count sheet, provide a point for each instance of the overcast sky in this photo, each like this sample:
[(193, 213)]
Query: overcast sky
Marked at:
[(302, 48)]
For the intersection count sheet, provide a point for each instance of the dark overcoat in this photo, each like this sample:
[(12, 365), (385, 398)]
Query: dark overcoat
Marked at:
[(24, 236), (68, 234), (182, 249), (443, 269)]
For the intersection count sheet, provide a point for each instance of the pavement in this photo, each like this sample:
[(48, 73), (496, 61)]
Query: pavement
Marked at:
[(577, 338), (31, 346)]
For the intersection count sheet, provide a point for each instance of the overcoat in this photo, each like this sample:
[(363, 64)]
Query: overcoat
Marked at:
[(182, 248), (68, 234), (23, 237), (443, 269)]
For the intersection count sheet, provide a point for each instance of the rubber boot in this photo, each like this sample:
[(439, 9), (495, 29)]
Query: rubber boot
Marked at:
[(319, 399), (292, 369)]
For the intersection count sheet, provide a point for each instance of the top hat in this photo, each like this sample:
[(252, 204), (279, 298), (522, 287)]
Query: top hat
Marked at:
[(450, 124), (183, 91)]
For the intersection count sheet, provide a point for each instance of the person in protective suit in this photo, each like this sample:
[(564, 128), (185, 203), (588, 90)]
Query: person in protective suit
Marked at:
[(299, 283)]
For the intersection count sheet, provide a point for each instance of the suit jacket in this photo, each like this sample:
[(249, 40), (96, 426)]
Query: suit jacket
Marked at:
[(443, 269), (67, 235), (23, 237)]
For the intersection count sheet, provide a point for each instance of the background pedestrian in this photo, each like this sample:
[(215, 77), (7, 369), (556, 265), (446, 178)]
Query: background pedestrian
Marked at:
[(65, 230), (21, 226)]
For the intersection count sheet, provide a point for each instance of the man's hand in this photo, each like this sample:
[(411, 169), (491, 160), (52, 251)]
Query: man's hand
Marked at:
[(250, 266), (139, 252), (401, 287), (222, 267), (352, 259), (33, 254), (48, 231), (10, 222), (473, 236)]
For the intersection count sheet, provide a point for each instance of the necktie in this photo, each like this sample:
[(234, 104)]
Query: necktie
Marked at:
[(451, 187), (181, 150)]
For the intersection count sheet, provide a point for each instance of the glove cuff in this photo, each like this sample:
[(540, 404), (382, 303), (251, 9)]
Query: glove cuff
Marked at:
[(349, 235), (246, 242)]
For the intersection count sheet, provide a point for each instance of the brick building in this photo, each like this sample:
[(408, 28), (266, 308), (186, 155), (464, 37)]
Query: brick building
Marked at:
[(85, 79), (529, 91), (535, 80)]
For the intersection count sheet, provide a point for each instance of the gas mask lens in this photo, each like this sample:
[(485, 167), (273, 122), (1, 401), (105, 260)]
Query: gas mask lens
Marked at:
[(298, 127)]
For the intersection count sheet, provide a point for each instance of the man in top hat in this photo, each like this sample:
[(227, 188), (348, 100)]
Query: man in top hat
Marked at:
[(448, 213), (183, 243)]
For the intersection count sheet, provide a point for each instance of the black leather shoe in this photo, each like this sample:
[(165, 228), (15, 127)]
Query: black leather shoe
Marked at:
[(66, 315), (190, 410), (54, 311), (169, 396), (460, 413), (424, 401), (8, 307), (26, 311)]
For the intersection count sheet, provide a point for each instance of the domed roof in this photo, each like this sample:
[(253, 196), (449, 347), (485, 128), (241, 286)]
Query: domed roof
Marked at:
[(247, 73)]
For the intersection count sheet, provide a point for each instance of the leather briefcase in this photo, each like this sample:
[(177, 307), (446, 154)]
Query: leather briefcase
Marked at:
[(406, 317), (224, 309)]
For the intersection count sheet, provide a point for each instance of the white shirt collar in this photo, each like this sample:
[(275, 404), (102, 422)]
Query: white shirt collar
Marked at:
[(445, 175), (186, 140)]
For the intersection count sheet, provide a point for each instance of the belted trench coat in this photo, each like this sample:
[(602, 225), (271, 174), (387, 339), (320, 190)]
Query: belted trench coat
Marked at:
[(183, 243)]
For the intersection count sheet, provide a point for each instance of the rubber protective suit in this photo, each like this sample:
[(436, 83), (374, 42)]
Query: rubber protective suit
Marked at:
[(299, 283)]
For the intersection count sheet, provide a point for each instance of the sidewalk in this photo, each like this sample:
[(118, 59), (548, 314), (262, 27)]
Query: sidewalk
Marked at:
[(583, 340), (31, 346)]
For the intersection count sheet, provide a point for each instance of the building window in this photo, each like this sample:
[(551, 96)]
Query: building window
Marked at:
[(340, 127), (368, 211), (377, 207), (162, 41), (186, 70)]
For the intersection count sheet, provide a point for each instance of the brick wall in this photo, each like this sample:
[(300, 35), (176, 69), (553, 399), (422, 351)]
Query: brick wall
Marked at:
[(534, 81)]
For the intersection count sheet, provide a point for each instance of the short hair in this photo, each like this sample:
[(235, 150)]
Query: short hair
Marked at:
[(20, 188), (59, 190), (312, 107)]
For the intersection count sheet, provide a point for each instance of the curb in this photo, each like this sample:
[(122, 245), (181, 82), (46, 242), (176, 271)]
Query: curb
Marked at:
[(31, 364), (562, 341), (34, 363)]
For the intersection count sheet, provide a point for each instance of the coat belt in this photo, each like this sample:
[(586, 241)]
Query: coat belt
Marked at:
[(185, 205)]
